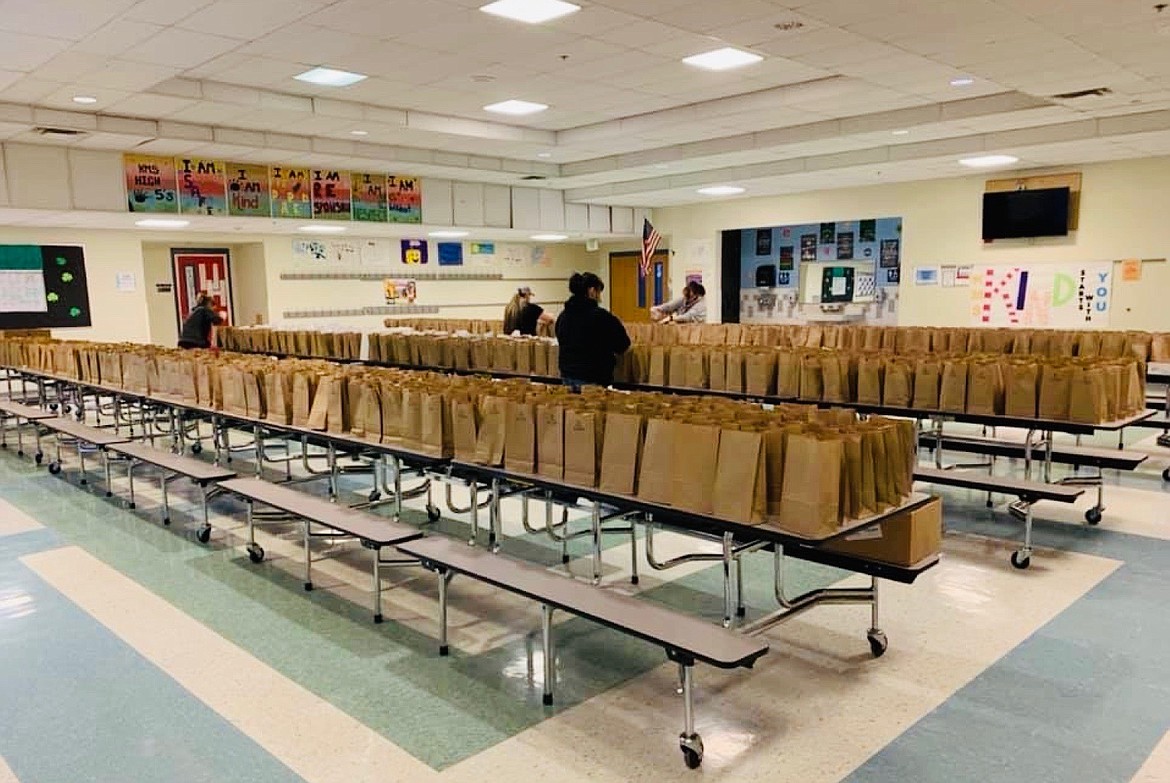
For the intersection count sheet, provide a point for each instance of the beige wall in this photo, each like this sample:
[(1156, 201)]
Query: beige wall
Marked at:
[(117, 315), (1122, 215)]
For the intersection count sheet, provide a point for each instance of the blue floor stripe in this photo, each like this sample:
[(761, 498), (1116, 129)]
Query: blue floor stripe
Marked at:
[(1085, 698), (81, 705)]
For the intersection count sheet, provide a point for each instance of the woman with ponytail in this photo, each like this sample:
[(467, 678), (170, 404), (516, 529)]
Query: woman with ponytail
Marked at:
[(523, 316), (590, 336)]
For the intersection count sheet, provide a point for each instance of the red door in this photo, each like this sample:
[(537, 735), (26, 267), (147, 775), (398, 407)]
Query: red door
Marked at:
[(202, 271)]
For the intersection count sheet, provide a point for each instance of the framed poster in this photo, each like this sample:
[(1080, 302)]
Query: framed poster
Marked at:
[(763, 242), (202, 187), (151, 183), (332, 195), (202, 270), (291, 193)]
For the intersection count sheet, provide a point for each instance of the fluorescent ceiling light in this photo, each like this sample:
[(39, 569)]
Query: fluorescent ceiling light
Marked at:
[(321, 228), (530, 11), (447, 234), (544, 154), (962, 81), (360, 133), (549, 237), (987, 161), (721, 190), (84, 99), (901, 133), (329, 77), (162, 223), (515, 107), (722, 59)]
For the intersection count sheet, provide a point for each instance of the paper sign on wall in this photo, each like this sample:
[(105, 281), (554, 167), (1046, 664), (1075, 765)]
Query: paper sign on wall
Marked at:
[(399, 291), (414, 251), (1131, 270), (151, 184)]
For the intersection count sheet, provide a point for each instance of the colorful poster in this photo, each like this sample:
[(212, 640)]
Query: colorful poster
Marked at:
[(483, 253), (291, 193), (202, 186), (369, 197), (450, 254), (151, 184), (404, 196), (1131, 270), (1047, 296), (399, 291), (414, 251), (332, 194), (248, 190)]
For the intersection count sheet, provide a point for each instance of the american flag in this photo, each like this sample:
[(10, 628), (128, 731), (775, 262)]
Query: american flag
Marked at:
[(650, 240)]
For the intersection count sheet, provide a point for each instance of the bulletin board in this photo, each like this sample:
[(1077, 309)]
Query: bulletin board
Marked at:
[(43, 286), (776, 257), (1056, 296)]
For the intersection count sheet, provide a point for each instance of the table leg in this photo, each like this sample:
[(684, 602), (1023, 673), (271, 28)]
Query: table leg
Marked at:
[(546, 613), (596, 520)]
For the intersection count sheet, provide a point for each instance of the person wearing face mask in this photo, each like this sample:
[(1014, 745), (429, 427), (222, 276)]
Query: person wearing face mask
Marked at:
[(690, 308), (523, 316), (590, 336)]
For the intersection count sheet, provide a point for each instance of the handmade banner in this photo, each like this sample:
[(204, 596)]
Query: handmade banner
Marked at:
[(202, 187), (290, 192), (1049, 296), (369, 197), (404, 199), (151, 184), (248, 190), (332, 193)]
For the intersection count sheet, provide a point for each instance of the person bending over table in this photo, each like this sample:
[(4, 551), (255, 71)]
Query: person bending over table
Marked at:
[(523, 315), (690, 308), (198, 329), (590, 336)]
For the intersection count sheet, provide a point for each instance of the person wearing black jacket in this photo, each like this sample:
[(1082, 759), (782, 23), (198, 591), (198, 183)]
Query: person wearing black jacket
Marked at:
[(590, 336), (197, 329)]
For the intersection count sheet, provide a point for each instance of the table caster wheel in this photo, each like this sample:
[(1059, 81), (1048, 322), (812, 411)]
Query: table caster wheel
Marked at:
[(878, 644), (196, 448), (255, 553), (374, 496), (1021, 560), (204, 534), (692, 750), (167, 521), (1093, 515), (39, 457), (432, 513), (54, 468), (1166, 474), (53, 407)]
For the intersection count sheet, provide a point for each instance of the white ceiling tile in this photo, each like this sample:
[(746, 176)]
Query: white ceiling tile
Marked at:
[(116, 37), (165, 12), (122, 75), (29, 90), (22, 52), (248, 20), (69, 19), (150, 105), (180, 48)]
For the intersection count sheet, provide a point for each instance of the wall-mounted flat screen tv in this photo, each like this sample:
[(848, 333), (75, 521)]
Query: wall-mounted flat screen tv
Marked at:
[(1014, 214)]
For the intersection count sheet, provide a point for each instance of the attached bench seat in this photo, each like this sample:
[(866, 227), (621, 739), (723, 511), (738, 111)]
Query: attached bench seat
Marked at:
[(18, 411), (78, 434), (1064, 454), (686, 639), (373, 531), (1028, 492), (171, 466)]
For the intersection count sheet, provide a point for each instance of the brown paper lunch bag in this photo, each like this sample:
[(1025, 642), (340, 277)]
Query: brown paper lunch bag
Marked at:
[(717, 369), (985, 392), (693, 466), (677, 365), (811, 496), (760, 373), (489, 444), (1021, 388), (927, 374), (1087, 395), (735, 377), (464, 427), (621, 453), (520, 437), (435, 436), (1055, 391), (655, 470), (871, 372), (584, 436), (812, 376), (550, 440), (952, 395), (898, 385), (740, 490)]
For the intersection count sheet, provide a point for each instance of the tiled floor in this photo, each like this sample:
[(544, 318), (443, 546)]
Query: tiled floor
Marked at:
[(130, 652)]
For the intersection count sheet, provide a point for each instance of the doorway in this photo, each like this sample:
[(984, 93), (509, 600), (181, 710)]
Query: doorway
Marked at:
[(202, 270), (631, 295)]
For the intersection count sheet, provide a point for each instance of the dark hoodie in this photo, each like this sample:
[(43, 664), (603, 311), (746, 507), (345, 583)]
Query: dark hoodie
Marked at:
[(590, 338)]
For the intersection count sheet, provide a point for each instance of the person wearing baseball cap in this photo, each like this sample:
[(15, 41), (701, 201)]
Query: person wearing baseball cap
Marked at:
[(522, 315)]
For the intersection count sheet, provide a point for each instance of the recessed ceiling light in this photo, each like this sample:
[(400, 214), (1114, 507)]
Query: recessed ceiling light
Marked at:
[(962, 81), (329, 77), (447, 234), (162, 223), (901, 133), (549, 237), (321, 228), (530, 11), (515, 107), (722, 59), (987, 161), (359, 133), (84, 99), (544, 154), (721, 190)]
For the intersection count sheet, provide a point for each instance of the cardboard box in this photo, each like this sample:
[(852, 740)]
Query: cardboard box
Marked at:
[(905, 539)]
